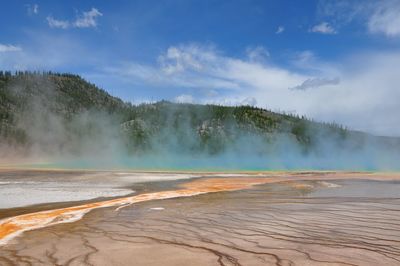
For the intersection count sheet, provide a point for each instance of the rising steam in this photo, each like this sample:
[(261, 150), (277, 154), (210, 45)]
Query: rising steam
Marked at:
[(94, 138)]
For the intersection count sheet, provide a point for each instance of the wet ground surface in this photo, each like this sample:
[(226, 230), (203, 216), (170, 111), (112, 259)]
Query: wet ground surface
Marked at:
[(295, 222), (29, 190)]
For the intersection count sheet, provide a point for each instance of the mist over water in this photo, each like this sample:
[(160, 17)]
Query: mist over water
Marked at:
[(230, 161), (106, 149), (93, 138)]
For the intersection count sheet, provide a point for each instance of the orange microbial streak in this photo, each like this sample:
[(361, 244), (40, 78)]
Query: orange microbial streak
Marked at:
[(13, 226)]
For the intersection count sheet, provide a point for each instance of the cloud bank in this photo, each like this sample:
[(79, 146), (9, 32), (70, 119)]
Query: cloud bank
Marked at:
[(85, 20)]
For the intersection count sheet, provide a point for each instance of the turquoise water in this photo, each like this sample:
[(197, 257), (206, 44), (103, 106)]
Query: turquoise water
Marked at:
[(221, 164)]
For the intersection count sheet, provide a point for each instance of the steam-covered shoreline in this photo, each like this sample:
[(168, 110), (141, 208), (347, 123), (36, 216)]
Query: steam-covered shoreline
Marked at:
[(68, 121)]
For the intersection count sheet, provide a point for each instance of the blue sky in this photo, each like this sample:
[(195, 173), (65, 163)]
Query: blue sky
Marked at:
[(330, 60)]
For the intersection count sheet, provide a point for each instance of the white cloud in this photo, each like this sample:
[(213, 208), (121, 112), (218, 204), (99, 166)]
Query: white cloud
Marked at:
[(188, 57), (385, 18), (55, 23), (9, 48), (184, 98), (280, 29), (88, 19), (323, 28), (198, 66), (32, 9), (313, 83), (379, 17), (44, 51), (258, 53)]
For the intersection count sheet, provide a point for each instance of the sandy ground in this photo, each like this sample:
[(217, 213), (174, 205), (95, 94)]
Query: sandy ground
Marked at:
[(263, 219)]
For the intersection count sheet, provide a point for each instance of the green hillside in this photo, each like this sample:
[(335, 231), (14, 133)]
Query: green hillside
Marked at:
[(26, 94)]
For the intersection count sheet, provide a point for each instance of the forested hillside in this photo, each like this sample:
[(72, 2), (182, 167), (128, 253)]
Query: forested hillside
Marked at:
[(53, 113)]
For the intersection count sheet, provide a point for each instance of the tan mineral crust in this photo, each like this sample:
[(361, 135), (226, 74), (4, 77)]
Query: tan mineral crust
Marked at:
[(264, 218)]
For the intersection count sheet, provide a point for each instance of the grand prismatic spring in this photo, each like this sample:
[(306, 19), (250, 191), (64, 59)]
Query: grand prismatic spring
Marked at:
[(196, 133)]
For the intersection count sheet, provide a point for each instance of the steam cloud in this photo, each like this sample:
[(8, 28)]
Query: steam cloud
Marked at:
[(93, 139)]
